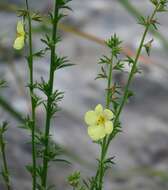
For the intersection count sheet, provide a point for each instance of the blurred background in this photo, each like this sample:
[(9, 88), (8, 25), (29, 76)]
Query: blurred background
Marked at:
[(141, 150)]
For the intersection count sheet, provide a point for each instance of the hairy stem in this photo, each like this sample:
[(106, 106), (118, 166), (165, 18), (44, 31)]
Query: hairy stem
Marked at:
[(107, 141), (49, 98), (31, 81), (131, 75), (101, 167), (137, 14), (109, 84), (103, 153), (5, 165)]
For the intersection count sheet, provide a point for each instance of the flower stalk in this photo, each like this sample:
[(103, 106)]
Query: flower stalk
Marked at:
[(5, 170), (126, 93), (44, 150), (31, 88), (120, 99), (133, 71), (49, 96), (108, 101)]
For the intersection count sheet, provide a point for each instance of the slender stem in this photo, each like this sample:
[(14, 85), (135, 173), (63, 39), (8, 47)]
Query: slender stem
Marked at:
[(101, 167), (33, 116), (137, 14), (106, 141), (103, 153), (126, 90), (109, 84), (5, 165), (49, 98)]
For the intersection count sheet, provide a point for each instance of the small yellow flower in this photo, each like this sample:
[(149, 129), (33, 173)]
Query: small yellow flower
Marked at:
[(20, 36), (99, 122)]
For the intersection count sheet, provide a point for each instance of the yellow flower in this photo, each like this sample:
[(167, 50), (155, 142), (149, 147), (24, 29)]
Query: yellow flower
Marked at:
[(99, 122), (20, 36)]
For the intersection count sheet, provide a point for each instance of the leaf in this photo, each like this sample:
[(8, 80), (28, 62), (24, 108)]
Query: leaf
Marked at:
[(40, 53), (44, 87), (47, 41), (86, 183), (27, 125), (22, 13), (114, 44), (3, 127), (110, 160), (67, 7), (154, 23), (62, 160), (130, 60), (60, 16), (119, 66), (154, 2), (61, 62), (130, 93), (3, 84), (65, 65), (163, 6), (102, 75), (105, 60), (142, 21), (29, 168), (36, 17)]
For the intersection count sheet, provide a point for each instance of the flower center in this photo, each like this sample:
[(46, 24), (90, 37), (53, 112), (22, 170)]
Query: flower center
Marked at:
[(101, 120)]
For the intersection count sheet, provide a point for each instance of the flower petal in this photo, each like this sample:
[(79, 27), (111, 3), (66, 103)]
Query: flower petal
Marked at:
[(20, 28), (99, 109), (90, 118), (19, 43), (108, 127), (109, 114), (96, 132)]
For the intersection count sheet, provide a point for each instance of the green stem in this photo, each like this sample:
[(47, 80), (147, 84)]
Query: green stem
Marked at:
[(132, 10), (126, 90), (103, 152), (49, 98), (109, 84), (5, 166), (33, 116), (101, 165), (106, 141)]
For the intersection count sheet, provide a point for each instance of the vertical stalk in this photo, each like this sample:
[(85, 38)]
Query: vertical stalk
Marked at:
[(31, 81), (101, 167), (131, 75), (137, 14), (103, 153), (109, 84), (4, 160), (106, 141), (49, 98)]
